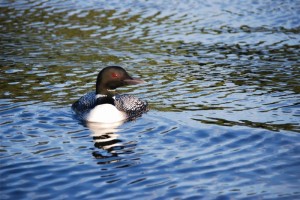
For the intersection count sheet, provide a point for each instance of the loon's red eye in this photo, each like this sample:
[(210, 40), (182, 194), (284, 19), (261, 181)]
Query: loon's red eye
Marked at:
[(114, 75)]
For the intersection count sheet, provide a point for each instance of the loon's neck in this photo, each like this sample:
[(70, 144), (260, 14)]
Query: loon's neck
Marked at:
[(104, 99), (101, 90)]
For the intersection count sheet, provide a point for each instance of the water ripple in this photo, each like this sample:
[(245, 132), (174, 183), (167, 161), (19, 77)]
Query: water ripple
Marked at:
[(222, 81)]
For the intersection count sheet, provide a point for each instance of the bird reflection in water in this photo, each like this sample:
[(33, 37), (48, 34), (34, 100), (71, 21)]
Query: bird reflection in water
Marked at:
[(107, 143)]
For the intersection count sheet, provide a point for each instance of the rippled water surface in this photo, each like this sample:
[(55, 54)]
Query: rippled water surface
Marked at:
[(222, 83)]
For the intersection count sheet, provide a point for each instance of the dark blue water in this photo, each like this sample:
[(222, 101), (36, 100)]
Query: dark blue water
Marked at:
[(222, 80)]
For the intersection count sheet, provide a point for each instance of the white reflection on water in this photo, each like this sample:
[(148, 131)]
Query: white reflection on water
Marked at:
[(105, 133)]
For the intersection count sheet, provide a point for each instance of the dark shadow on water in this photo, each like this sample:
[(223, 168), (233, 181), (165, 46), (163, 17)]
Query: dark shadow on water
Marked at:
[(247, 123)]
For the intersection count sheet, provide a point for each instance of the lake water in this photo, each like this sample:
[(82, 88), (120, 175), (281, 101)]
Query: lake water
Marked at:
[(222, 80)]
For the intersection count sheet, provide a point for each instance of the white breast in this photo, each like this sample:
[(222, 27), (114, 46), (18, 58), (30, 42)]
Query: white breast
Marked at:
[(105, 113)]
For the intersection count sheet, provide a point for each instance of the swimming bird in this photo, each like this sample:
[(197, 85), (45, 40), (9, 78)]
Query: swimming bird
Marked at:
[(104, 105)]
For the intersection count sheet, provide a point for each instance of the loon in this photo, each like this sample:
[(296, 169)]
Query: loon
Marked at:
[(103, 105)]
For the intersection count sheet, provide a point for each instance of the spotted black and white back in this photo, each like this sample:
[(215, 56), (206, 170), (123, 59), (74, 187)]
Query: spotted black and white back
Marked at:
[(85, 103), (131, 105)]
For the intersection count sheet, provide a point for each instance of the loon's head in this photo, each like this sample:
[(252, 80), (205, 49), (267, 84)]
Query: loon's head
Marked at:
[(112, 77)]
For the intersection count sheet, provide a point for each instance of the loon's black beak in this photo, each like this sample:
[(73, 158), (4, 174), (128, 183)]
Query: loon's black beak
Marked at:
[(133, 81)]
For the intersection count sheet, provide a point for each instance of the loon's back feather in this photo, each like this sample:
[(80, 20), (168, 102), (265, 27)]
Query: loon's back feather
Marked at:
[(132, 106), (85, 103)]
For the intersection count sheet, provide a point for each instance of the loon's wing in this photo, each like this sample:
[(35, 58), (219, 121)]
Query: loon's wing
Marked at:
[(85, 103), (131, 105)]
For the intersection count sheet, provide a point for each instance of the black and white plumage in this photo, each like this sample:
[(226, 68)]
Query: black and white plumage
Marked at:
[(106, 107)]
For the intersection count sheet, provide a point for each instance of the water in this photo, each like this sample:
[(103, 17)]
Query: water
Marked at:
[(222, 83)]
